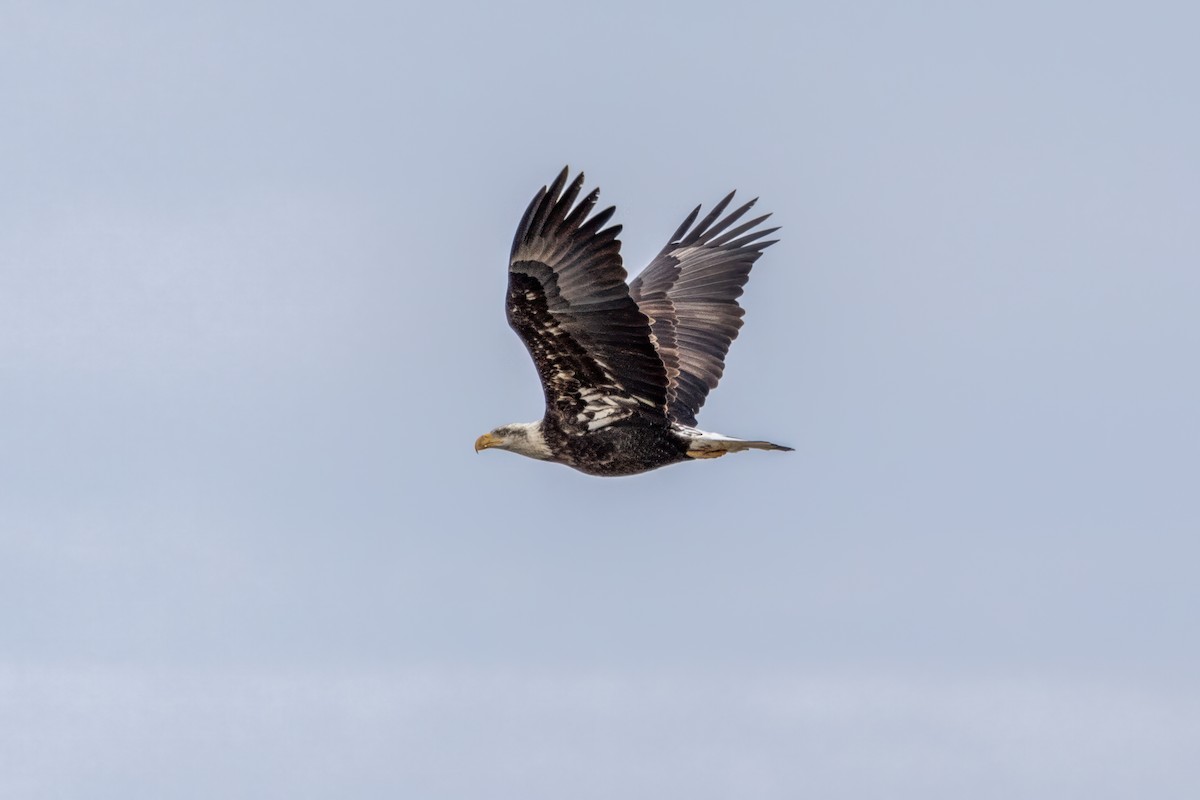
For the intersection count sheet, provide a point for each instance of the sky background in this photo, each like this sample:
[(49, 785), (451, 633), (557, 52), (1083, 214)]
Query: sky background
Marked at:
[(252, 265)]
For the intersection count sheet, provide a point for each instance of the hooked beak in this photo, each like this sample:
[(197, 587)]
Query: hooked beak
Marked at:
[(486, 441)]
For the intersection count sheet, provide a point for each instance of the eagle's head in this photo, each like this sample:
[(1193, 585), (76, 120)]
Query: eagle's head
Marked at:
[(520, 437)]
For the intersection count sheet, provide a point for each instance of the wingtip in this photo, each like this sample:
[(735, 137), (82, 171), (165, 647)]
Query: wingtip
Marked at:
[(744, 207), (565, 173), (555, 189)]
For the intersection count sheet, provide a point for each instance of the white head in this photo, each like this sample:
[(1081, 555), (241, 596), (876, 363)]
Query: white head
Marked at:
[(519, 437)]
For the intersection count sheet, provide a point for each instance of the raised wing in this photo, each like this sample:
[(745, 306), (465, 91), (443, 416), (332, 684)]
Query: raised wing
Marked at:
[(568, 301), (690, 293)]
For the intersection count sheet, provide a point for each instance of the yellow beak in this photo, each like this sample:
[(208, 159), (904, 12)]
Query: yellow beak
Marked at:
[(486, 441)]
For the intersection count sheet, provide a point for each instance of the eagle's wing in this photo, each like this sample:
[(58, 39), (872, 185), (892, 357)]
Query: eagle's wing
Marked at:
[(690, 293), (568, 301)]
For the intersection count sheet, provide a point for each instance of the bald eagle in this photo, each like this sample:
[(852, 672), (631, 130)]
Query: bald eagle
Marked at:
[(624, 368)]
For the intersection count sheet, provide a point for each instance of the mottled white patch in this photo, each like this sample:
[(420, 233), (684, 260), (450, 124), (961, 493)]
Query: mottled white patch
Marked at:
[(601, 408)]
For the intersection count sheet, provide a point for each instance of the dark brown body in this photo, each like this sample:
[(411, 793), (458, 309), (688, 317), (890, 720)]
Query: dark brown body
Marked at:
[(622, 448)]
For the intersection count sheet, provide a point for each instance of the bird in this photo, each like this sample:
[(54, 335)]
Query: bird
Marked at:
[(624, 367)]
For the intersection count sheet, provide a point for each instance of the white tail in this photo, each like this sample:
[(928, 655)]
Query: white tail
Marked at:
[(702, 444)]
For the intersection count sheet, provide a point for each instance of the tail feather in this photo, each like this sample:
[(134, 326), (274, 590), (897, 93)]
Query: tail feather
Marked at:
[(714, 445), (761, 446)]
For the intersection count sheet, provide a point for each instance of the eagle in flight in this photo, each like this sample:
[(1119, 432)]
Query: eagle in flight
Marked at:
[(625, 368)]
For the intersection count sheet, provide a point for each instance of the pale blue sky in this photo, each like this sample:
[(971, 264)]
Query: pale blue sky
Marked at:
[(252, 264)]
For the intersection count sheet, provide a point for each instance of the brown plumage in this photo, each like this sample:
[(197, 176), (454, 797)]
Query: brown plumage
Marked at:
[(624, 369)]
